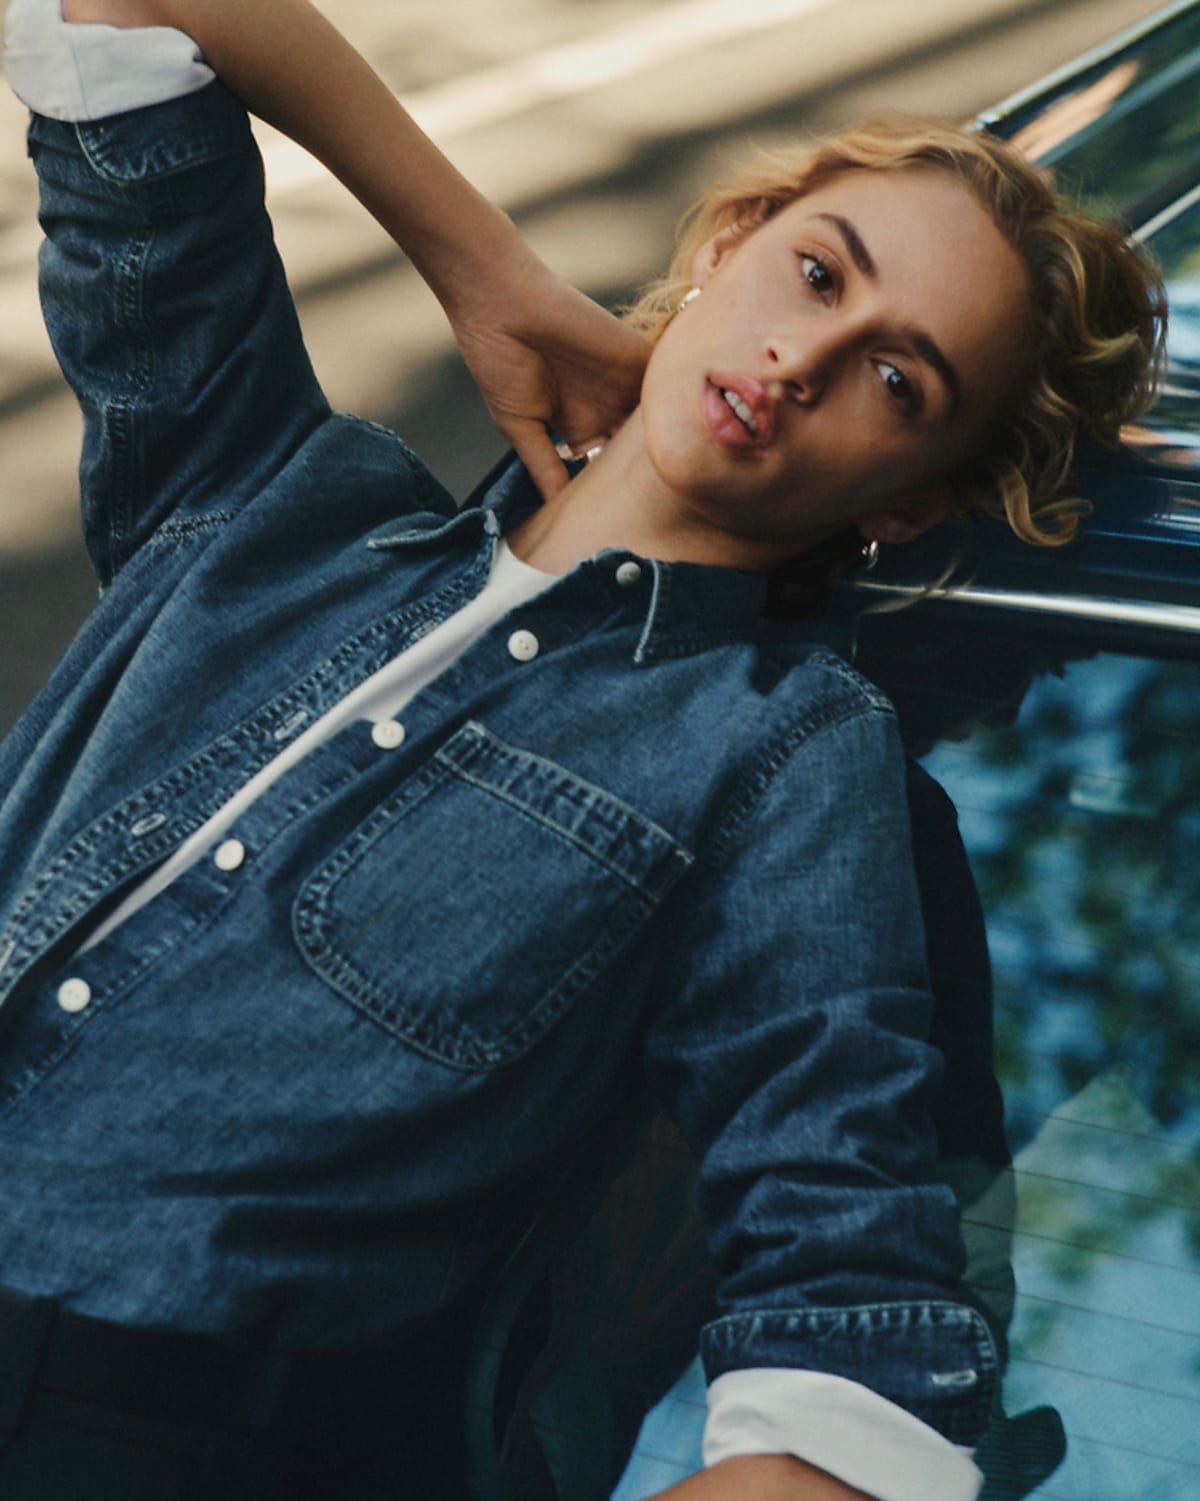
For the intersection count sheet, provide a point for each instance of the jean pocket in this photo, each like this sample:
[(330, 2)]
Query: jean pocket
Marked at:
[(470, 910)]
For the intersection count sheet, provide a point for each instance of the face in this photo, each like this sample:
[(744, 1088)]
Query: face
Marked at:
[(843, 356)]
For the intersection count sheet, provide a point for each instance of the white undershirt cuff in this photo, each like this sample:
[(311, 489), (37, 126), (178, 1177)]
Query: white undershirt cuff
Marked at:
[(839, 1426), (88, 72)]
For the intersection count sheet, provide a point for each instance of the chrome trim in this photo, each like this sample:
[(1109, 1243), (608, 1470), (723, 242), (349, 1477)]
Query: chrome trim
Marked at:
[(1104, 610), (1167, 215), (1053, 81)]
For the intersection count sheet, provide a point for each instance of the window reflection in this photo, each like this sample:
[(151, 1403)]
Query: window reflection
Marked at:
[(1082, 817)]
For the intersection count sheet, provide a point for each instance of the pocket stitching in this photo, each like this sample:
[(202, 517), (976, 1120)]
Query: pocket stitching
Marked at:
[(313, 914), (478, 737)]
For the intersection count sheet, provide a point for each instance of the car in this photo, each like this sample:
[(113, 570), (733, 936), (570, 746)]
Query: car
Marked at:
[(1055, 695), (1119, 131)]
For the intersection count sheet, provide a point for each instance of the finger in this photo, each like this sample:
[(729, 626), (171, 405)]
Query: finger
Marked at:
[(584, 425), (536, 451)]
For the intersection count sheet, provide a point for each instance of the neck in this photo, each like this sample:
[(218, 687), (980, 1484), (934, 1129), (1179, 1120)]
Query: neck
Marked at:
[(616, 502)]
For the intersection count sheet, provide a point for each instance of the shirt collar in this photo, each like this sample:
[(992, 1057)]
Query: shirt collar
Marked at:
[(685, 607)]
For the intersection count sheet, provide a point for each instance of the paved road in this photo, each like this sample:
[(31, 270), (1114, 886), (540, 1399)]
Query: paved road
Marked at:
[(593, 121)]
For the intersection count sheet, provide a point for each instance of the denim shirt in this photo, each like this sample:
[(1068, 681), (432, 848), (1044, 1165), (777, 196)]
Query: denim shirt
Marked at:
[(313, 1095)]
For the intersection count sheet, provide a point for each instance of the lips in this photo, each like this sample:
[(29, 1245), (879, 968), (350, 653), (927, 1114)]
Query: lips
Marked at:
[(738, 411)]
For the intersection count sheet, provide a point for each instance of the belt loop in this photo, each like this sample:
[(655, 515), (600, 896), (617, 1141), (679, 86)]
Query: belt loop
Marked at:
[(25, 1325)]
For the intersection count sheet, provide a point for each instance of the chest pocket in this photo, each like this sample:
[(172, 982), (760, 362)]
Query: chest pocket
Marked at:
[(467, 914)]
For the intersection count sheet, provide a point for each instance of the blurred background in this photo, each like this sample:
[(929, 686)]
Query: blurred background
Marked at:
[(594, 122)]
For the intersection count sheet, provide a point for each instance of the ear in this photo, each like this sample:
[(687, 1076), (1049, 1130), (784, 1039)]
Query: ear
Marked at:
[(906, 516), (713, 252)]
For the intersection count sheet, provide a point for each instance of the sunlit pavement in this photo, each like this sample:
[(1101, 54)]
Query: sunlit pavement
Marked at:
[(594, 122)]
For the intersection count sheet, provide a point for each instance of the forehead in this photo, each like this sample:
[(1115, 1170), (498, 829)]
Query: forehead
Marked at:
[(940, 263)]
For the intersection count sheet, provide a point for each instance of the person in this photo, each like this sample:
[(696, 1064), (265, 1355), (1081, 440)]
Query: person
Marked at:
[(367, 856)]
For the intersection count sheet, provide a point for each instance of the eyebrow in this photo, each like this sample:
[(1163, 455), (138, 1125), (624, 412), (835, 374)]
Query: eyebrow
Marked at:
[(925, 346), (932, 355), (859, 253)]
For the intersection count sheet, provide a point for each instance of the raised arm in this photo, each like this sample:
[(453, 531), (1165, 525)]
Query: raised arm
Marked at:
[(540, 351)]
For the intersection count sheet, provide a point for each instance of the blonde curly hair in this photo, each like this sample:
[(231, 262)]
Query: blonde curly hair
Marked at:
[(1099, 310)]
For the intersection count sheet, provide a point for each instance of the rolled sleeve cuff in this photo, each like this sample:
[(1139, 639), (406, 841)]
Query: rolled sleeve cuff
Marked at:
[(936, 1360), (89, 72), (839, 1426)]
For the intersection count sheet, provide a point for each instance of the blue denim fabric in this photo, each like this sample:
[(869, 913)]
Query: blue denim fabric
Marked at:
[(312, 1097)]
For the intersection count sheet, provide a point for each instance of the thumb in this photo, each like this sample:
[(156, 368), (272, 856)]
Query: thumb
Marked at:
[(536, 451)]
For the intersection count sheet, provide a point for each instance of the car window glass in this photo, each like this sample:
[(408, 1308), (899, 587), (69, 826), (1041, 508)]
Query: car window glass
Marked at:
[(1082, 818)]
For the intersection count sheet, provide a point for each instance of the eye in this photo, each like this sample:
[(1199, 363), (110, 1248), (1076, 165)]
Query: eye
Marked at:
[(817, 274), (898, 386)]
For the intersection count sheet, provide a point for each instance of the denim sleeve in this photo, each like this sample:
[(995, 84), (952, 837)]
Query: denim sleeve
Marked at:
[(169, 312), (792, 1049)]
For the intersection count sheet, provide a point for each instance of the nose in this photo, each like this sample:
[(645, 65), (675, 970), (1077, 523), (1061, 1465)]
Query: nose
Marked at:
[(804, 360)]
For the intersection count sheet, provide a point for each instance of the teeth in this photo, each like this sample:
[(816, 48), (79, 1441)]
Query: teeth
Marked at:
[(741, 409)]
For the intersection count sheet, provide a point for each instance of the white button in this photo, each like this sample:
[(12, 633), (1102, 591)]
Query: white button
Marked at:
[(229, 855), (523, 645), (388, 734), (628, 573), (74, 994)]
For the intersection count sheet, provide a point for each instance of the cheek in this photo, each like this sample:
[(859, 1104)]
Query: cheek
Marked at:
[(874, 455), (671, 392), (662, 372)]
